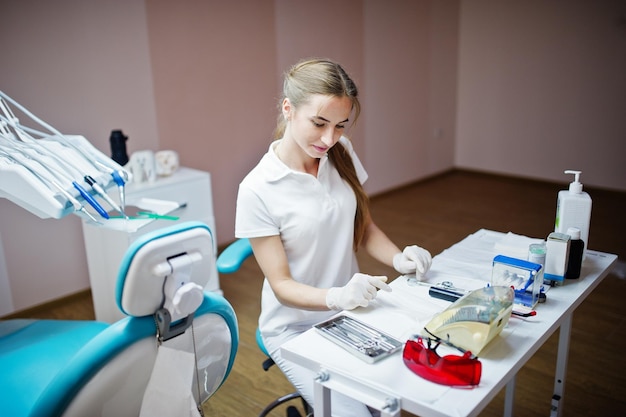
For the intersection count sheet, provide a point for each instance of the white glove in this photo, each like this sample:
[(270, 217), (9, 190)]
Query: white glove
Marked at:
[(412, 260), (359, 291)]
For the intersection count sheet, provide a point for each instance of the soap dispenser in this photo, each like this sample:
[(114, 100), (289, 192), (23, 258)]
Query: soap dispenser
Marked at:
[(573, 209)]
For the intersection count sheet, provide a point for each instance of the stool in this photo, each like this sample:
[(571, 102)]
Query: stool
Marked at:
[(229, 261)]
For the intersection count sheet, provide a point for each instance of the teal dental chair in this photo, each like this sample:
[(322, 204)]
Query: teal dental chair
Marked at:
[(90, 368), (228, 262)]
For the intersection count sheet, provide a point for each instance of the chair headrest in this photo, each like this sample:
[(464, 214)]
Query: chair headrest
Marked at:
[(184, 248)]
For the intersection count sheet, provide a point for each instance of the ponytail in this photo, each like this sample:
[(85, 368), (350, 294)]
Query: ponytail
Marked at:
[(342, 160)]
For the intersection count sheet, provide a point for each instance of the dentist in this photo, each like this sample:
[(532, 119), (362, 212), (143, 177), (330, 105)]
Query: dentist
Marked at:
[(305, 211)]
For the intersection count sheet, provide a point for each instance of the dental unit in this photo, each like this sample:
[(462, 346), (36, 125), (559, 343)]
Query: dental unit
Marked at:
[(176, 341), (52, 174)]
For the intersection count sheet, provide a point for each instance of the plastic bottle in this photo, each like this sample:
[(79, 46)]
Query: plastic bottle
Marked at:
[(537, 253), (573, 209), (576, 249)]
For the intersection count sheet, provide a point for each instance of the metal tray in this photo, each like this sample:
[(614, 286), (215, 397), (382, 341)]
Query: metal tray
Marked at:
[(360, 339)]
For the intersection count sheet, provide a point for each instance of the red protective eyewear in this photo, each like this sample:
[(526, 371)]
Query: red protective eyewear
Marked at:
[(454, 370)]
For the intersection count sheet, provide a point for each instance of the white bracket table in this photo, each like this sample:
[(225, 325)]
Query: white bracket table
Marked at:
[(389, 386)]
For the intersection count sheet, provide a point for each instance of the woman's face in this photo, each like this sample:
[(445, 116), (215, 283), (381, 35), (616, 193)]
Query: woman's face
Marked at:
[(317, 125)]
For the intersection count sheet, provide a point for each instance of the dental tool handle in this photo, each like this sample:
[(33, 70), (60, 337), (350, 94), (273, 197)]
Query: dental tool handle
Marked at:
[(447, 294), (89, 180), (119, 180), (92, 202), (100, 191)]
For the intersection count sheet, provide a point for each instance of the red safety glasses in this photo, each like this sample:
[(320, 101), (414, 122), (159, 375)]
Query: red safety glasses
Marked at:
[(453, 370)]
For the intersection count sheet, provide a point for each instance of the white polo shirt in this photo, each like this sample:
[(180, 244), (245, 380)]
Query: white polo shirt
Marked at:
[(315, 220)]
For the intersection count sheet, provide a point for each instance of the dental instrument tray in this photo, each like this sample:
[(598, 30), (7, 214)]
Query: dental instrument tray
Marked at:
[(358, 338)]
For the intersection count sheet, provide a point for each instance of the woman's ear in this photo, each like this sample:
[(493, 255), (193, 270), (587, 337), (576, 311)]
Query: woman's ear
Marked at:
[(286, 108)]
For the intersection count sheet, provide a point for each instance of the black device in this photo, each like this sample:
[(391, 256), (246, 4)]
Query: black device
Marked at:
[(118, 147), (446, 291)]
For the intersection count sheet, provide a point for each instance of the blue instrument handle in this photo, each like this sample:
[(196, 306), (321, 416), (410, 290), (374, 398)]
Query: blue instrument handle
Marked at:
[(118, 178), (92, 202)]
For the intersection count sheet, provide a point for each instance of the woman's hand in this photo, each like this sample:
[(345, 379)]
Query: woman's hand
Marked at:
[(359, 291), (412, 260)]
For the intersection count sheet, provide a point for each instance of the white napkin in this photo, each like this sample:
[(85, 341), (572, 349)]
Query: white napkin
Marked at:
[(515, 246), (169, 390)]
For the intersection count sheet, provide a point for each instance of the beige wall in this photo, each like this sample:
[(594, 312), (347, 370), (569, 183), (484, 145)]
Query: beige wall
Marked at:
[(542, 88), (410, 90), (217, 78), (443, 84), (214, 69)]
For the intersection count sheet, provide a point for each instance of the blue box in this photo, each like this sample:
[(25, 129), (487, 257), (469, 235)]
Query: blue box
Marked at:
[(526, 278)]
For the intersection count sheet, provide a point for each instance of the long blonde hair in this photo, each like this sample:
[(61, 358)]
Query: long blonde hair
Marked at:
[(325, 77)]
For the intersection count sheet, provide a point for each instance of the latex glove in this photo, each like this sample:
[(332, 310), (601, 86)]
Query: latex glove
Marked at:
[(412, 260), (359, 291)]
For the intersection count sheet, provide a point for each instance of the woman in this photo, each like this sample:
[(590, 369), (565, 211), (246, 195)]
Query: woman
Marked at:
[(305, 212)]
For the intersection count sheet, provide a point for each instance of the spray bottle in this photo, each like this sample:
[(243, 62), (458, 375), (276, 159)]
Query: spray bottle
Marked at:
[(574, 209)]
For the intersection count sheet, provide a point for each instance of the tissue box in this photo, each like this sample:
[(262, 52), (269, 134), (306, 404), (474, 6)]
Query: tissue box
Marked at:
[(557, 255), (526, 278)]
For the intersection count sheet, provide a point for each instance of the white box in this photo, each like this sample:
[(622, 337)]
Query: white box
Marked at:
[(557, 255)]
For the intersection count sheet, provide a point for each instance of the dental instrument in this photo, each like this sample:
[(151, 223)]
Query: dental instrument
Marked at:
[(57, 172), (119, 180), (92, 201), (78, 207), (63, 160), (98, 189), (33, 149), (363, 341)]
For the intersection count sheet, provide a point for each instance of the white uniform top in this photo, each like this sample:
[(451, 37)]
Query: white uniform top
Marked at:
[(315, 220)]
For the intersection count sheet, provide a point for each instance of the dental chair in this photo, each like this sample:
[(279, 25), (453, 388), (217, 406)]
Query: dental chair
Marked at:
[(172, 352), (228, 262)]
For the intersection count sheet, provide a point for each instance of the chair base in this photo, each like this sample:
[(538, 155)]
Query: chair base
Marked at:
[(282, 400)]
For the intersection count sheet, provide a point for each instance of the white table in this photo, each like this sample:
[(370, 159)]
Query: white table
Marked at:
[(390, 386)]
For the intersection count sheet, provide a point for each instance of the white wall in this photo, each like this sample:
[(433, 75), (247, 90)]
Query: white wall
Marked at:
[(542, 88)]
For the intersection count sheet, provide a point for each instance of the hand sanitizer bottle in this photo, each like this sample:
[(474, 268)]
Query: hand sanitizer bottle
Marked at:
[(573, 209)]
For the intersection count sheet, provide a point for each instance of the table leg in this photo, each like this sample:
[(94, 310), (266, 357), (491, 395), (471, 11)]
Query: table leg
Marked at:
[(561, 367), (391, 409), (509, 397), (321, 398)]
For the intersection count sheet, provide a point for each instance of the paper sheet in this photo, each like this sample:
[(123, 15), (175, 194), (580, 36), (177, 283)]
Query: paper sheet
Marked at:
[(169, 390)]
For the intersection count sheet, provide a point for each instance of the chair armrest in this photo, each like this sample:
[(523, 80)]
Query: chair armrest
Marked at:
[(233, 256)]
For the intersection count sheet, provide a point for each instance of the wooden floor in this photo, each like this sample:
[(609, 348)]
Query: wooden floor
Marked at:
[(435, 214)]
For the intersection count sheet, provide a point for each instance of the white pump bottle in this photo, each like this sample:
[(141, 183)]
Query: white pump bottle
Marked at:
[(573, 209)]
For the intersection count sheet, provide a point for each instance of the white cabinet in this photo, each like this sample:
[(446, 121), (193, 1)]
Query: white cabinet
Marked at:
[(106, 244)]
